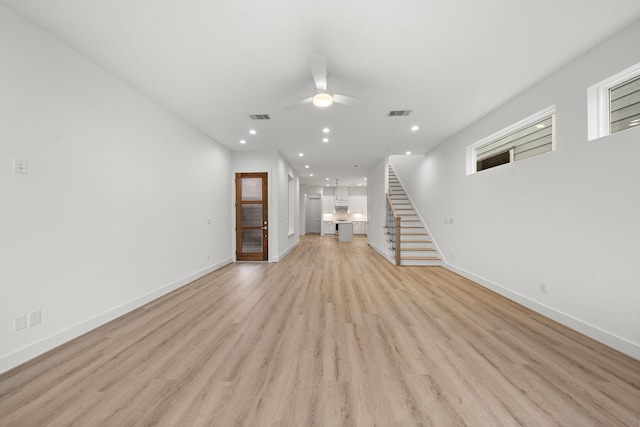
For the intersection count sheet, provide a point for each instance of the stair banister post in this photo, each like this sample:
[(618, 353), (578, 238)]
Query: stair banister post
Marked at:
[(398, 260)]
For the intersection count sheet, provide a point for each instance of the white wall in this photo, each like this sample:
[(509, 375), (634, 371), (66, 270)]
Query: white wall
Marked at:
[(569, 219), (286, 241), (377, 183), (113, 211), (278, 169)]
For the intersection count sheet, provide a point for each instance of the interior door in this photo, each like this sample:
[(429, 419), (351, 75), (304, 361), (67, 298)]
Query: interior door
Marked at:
[(315, 214), (252, 223)]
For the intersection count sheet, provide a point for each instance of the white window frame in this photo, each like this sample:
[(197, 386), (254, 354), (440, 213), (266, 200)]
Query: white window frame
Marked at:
[(598, 105), (472, 161), (291, 204)]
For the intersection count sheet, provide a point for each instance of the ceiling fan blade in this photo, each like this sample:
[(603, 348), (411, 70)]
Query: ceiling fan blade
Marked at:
[(299, 104), (350, 101), (318, 65)]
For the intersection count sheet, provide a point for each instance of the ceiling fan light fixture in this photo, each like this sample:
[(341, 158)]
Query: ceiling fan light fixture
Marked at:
[(322, 99)]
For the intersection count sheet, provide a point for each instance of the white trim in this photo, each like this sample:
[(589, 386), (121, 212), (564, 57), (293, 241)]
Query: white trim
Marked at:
[(625, 346), (598, 102), (382, 252), (11, 360), (286, 252), (528, 121)]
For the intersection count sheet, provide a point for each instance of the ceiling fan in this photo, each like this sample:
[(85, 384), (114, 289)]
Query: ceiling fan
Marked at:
[(322, 96)]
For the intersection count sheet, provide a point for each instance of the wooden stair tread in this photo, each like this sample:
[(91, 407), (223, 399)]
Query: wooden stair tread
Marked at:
[(417, 249), (417, 258)]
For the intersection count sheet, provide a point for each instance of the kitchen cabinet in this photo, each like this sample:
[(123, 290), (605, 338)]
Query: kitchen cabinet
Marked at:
[(359, 227), (342, 194), (328, 228), (328, 203), (357, 204)]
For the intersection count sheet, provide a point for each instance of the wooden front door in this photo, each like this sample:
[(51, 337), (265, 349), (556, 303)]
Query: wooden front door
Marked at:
[(252, 232)]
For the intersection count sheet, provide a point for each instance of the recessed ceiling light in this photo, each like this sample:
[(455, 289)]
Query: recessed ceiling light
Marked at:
[(300, 154), (252, 131), (306, 166), (326, 179), (242, 141), (415, 128), (365, 178), (408, 152), (325, 140), (310, 174), (326, 130), (359, 185)]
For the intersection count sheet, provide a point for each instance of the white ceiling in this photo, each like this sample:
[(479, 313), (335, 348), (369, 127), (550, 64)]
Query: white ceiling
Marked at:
[(214, 62)]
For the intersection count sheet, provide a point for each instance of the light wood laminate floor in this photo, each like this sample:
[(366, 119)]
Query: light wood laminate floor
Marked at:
[(332, 335)]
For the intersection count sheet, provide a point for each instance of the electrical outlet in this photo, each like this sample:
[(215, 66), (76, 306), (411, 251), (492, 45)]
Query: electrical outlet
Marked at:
[(19, 323), (35, 318), (543, 288), (19, 165)]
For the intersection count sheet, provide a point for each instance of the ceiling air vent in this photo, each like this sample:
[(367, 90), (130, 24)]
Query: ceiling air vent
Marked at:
[(259, 117), (398, 113)]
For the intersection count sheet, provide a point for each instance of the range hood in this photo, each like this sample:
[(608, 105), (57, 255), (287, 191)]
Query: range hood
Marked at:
[(342, 204)]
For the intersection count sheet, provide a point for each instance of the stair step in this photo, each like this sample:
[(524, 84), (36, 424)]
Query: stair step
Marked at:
[(416, 249)]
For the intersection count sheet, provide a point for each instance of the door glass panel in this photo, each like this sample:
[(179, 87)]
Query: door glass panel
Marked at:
[(251, 240), (251, 189), (251, 215)]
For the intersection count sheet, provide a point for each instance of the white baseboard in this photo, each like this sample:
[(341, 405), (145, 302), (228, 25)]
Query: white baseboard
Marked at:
[(27, 353), (627, 347), (286, 252), (382, 252)]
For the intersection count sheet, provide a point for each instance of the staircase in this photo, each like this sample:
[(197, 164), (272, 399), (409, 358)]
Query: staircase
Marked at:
[(416, 247)]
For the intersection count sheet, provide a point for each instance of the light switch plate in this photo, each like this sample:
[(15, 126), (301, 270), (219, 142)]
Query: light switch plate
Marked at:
[(19, 323), (34, 318)]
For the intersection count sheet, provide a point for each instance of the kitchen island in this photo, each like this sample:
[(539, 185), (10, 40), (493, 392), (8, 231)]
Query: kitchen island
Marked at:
[(345, 230)]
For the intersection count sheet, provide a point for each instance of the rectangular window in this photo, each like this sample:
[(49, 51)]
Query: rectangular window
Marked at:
[(529, 137), (624, 101), (614, 103)]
